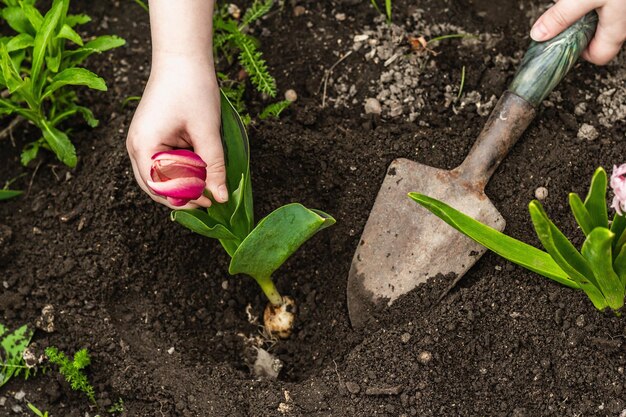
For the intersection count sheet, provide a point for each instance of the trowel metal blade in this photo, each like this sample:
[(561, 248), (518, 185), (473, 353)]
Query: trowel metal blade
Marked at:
[(403, 244)]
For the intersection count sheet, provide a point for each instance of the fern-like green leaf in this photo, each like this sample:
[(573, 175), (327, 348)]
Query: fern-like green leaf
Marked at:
[(274, 110), (254, 64), (258, 9), (72, 370)]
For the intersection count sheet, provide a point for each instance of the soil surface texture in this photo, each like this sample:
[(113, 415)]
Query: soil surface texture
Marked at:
[(169, 330)]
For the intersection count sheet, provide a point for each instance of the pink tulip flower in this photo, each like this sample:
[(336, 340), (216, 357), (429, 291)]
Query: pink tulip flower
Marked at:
[(618, 184), (178, 175)]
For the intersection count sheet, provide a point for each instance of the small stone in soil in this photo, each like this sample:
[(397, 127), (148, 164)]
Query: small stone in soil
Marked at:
[(171, 350), (424, 357), (19, 396), (580, 109), (3, 401), (588, 132), (405, 337), (266, 365), (541, 193), (372, 106), (340, 17), (291, 95), (299, 11), (353, 387)]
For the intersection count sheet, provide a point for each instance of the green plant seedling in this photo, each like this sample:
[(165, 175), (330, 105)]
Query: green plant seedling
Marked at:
[(6, 194), (255, 250), (598, 269), (13, 345), (38, 67), (37, 411), (72, 370), (388, 6)]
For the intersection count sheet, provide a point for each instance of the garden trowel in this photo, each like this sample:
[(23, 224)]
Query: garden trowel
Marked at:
[(403, 245)]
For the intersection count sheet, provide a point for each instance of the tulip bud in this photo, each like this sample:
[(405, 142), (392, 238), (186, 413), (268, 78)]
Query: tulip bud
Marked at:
[(179, 175), (618, 184)]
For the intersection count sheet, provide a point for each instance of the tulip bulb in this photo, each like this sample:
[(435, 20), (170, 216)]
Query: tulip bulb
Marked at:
[(279, 319)]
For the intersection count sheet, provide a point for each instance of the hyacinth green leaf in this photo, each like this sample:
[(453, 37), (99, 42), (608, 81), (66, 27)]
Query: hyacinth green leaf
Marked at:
[(276, 238), (60, 144), (597, 250), (566, 255), (512, 249), (6, 194), (618, 225), (582, 216), (619, 265), (595, 203), (237, 156)]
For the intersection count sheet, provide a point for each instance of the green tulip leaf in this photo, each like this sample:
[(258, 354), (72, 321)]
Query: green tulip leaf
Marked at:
[(276, 238), (597, 250), (565, 254), (237, 150), (512, 249), (596, 199), (201, 223), (618, 225)]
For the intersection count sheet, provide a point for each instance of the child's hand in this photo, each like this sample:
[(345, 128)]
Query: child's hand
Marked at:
[(610, 34), (180, 108)]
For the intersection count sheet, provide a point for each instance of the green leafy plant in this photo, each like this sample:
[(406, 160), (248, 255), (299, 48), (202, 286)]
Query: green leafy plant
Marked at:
[(37, 411), (258, 250), (598, 269), (72, 370), (118, 407), (11, 355), (38, 67)]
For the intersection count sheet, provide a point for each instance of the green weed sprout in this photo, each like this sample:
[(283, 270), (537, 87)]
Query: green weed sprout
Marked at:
[(388, 4), (256, 251), (37, 67), (37, 411), (72, 370), (598, 269), (12, 346)]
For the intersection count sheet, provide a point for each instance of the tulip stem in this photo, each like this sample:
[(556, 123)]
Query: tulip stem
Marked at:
[(270, 291)]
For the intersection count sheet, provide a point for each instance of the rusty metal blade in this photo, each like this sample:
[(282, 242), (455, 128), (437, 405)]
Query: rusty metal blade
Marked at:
[(403, 244)]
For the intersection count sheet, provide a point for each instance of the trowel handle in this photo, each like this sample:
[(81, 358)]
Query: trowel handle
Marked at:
[(543, 67), (546, 63)]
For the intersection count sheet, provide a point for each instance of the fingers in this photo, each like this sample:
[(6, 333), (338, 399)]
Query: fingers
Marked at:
[(559, 17), (208, 144), (609, 37)]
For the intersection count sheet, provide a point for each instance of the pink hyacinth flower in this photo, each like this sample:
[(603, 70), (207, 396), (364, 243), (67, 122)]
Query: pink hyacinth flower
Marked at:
[(618, 184), (178, 175)]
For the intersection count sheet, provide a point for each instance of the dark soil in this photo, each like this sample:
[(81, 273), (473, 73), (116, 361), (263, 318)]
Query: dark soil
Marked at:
[(128, 284)]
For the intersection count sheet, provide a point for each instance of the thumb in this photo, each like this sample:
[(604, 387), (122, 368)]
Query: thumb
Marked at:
[(558, 18), (208, 144)]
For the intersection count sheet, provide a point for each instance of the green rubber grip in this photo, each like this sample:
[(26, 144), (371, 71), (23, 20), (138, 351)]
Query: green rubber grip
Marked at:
[(546, 63)]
